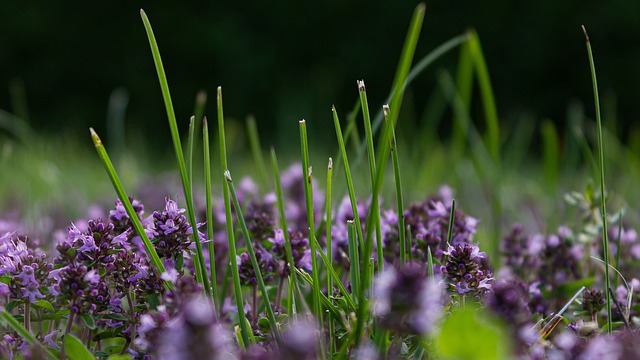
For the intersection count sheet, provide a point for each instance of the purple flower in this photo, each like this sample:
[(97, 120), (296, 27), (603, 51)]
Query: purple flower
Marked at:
[(407, 301), (31, 292), (463, 270), (27, 275), (49, 339), (88, 245)]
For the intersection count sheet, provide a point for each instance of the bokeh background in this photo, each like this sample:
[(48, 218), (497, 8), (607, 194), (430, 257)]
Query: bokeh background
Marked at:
[(286, 60)]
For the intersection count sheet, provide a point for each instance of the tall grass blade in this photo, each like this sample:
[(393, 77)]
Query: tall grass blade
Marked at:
[(122, 194), (256, 150), (372, 169), (15, 325), (464, 84), (328, 226), (404, 248), (209, 205), (383, 155), (354, 264), (293, 278), (175, 136), (486, 93), (231, 240), (254, 261), (550, 155), (308, 191), (603, 206)]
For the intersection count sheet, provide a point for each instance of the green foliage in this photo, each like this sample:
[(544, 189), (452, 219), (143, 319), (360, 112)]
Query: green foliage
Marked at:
[(472, 335), (75, 349)]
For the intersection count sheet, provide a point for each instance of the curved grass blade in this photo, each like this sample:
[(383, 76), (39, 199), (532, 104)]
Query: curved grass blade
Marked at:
[(603, 206), (14, 324), (231, 240), (372, 169), (308, 191), (209, 206), (382, 158), (293, 278), (254, 261), (254, 142), (158, 266), (404, 248), (175, 136)]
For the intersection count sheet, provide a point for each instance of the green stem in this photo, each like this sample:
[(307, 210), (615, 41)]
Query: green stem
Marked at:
[(133, 216), (175, 136), (209, 205), (14, 324), (603, 207), (254, 261), (237, 288)]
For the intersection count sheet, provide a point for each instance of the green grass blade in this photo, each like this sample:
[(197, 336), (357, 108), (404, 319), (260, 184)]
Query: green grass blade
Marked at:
[(175, 136), (430, 263), (15, 325), (137, 225), (486, 93), (404, 248), (237, 288), (354, 264), (254, 261), (256, 150), (550, 155), (372, 168), (331, 309), (452, 214), (207, 187), (328, 221), (328, 226), (199, 105), (418, 69), (189, 157), (308, 191), (383, 155), (464, 82), (293, 278), (603, 206), (347, 172), (364, 104)]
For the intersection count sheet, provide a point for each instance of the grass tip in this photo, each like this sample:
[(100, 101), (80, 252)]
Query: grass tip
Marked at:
[(142, 12), (361, 86), (385, 109), (330, 166), (303, 121), (201, 96), (95, 137), (204, 121), (333, 108), (584, 30), (227, 176)]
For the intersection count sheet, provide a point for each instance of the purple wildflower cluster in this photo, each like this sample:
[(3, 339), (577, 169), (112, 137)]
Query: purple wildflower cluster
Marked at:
[(100, 284)]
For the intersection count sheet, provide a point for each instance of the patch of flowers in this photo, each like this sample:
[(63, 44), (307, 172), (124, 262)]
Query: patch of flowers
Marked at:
[(98, 286)]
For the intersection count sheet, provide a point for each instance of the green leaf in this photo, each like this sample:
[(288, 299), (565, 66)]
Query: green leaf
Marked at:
[(120, 357), (469, 334), (115, 316), (75, 349), (88, 320), (44, 304)]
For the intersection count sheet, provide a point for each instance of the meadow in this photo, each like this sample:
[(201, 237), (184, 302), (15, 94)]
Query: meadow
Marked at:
[(495, 240)]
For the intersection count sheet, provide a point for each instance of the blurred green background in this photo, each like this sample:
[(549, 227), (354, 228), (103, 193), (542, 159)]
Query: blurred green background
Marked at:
[(286, 60), (67, 66)]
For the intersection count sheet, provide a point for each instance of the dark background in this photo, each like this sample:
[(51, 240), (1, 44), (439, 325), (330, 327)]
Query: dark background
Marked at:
[(286, 60)]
